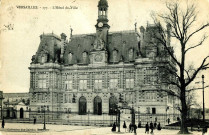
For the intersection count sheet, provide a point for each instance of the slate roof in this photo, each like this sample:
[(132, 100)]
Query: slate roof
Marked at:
[(120, 41)]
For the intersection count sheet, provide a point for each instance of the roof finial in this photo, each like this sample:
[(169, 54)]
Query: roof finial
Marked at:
[(71, 32)]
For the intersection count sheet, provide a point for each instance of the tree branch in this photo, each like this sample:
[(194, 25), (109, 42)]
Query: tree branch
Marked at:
[(199, 44), (202, 66), (196, 31)]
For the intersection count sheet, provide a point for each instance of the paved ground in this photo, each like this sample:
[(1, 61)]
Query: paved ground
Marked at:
[(25, 129)]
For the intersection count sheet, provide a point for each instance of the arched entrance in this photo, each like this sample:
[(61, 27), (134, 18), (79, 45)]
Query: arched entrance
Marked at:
[(21, 112), (8, 113), (112, 105), (97, 105), (82, 105)]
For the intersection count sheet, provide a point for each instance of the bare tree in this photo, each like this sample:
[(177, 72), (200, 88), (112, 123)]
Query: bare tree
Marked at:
[(180, 27)]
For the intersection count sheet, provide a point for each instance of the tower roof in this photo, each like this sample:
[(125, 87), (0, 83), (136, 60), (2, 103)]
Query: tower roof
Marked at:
[(103, 3)]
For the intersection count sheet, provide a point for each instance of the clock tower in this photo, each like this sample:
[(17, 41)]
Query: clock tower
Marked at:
[(102, 26), (99, 53)]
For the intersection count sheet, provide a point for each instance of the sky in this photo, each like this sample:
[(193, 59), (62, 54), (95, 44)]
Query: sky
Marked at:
[(20, 30)]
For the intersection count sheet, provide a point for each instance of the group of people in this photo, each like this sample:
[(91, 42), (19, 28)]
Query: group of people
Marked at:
[(151, 127), (132, 127)]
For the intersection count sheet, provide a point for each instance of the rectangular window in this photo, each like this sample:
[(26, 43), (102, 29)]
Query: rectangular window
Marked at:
[(113, 83), (68, 85), (129, 83), (153, 110), (98, 84), (83, 84)]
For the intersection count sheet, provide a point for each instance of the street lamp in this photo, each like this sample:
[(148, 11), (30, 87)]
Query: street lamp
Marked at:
[(118, 119), (203, 98), (88, 116), (44, 128), (138, 114)]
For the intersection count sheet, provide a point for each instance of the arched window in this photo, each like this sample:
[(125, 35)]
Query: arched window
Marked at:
[(112, 105), (97, 105), (115, 55), (70, 56), (130, 54), (84, 57), (82, 105)]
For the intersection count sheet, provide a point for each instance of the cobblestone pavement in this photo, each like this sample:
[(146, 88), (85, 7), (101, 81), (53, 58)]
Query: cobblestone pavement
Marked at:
[(25, 129)]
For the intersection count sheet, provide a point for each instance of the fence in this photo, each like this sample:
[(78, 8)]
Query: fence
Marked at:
[(89, 118)]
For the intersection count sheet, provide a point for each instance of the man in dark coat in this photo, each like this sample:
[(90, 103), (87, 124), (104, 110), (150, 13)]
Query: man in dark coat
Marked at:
[(3, 123), (124, 125), (139, 125), (151, 127), (114, 127), (158, 126), (147, 128)]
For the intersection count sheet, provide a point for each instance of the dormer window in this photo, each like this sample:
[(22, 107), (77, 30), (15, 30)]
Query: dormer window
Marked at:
[(84, 57), (115, 53), (70, 56), (43, 57), (130, 54)]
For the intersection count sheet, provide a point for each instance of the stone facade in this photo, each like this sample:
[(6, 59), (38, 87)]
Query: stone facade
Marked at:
[(91, 73)]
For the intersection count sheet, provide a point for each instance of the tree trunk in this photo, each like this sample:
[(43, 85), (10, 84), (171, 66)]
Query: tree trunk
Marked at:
[(184, 129)]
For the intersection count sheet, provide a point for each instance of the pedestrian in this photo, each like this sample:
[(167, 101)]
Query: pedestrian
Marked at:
[(129, 127), (151, 127), (3, 123), (147, 128), (114, 127), (134, 127), (139, 125), (168, 121), (155, 125), (158, 126), (124, 125)]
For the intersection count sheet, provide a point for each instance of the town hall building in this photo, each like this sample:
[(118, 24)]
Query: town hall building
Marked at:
[(92, 73)]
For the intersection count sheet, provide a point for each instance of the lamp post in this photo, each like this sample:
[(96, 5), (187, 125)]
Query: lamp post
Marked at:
[(138, 114), (203, 113), (118, 119), (133, 118), (88, 116), (44, 128)]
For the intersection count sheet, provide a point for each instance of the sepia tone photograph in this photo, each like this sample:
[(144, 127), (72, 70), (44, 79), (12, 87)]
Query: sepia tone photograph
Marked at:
[(104, 67)]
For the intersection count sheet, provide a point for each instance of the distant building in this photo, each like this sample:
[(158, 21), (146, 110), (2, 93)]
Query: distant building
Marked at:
[(91, 73), (16, 105)]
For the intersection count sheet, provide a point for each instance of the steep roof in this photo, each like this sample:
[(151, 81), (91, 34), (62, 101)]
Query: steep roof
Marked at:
[(121, 41)]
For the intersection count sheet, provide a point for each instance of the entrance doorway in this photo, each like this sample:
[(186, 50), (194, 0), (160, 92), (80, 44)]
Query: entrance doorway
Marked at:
[(21, 112), (98, 105), (82, 105), (112, 105)]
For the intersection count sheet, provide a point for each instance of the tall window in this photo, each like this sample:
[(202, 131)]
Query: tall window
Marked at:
[(69, 85), (130, 54), (113, 83), (129, 83), (42, 81), (115, 55), (153, 110), (148, 110), (83, 84), (70, 56), (98, 84), (84, 57)]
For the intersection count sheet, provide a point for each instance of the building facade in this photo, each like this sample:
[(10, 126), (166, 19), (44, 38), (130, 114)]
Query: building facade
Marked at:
[(91, 73), (16, 105)]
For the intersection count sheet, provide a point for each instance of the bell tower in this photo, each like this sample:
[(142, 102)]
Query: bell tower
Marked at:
[(99, 53), (102, 26), (102, 20)]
